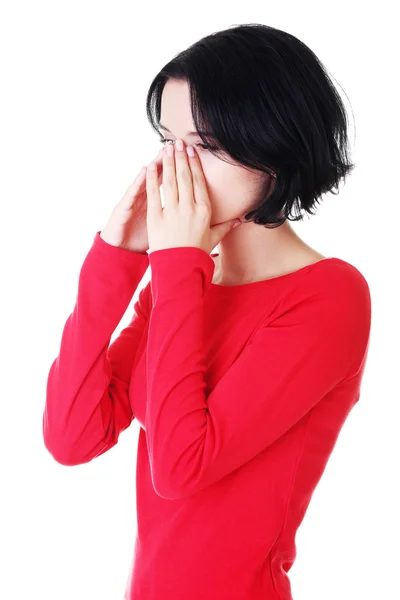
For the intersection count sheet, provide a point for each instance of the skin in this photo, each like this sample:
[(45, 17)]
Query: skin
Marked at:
[(251, 252)]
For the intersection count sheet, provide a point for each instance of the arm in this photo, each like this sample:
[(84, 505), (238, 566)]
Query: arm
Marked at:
[(87, 401), (290, 363)]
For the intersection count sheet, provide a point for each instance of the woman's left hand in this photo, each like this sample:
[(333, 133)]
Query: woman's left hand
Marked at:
[(186, 216)]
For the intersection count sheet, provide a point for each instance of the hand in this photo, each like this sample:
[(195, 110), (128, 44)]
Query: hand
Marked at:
[(186, 216), (127, 228)]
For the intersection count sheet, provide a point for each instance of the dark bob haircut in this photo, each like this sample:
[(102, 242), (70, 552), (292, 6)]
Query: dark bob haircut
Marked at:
[(270, 106)]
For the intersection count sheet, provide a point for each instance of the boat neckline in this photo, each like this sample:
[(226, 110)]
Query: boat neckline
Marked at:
[(292, 274)]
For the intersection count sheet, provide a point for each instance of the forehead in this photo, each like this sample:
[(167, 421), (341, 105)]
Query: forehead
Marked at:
[(176, 116), (188, 133)]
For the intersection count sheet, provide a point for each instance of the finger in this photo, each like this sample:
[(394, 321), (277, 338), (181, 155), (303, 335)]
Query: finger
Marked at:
[(183, 175), (158, 158), (154, 209), (140, 181), (199, 184), (132, 190), (170, 186)]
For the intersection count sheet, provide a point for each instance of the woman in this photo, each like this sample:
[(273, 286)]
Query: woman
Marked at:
[(240, 366)]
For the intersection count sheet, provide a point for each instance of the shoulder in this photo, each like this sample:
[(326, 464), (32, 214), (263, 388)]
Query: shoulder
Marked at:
[(336, 301), (330, 310), (332, 292), (335, 275), (339, 280)]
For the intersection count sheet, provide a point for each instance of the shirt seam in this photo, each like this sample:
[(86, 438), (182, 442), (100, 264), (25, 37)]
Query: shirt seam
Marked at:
[(295, 470)]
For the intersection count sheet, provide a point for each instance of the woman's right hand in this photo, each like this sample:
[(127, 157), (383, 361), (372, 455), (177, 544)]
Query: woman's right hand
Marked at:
[(126, 227)]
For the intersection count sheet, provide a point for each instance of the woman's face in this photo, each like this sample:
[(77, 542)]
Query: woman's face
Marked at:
[(233, 190)]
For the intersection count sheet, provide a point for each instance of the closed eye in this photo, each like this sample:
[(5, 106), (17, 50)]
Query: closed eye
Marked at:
[(204, 146)]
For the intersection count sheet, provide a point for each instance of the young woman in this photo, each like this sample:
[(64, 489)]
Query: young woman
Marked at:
[(239, 366)]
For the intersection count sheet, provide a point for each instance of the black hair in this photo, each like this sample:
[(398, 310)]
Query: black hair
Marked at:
[(270, 105)]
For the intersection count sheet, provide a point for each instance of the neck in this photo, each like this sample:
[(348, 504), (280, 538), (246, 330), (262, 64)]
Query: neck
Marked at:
[(252, 253)]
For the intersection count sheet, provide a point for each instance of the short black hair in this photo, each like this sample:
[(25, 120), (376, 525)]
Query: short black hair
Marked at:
[(271, 106)]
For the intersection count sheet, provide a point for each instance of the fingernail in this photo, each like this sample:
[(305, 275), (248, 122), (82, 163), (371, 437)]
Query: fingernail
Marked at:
[(179, 145)]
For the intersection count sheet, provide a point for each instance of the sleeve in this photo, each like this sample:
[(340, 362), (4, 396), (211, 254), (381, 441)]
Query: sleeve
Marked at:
[(87, 399), (286, 368)]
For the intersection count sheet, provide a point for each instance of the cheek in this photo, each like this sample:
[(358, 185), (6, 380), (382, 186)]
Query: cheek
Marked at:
[(218, 175), (227, 189), (227, 180), (233, 190)]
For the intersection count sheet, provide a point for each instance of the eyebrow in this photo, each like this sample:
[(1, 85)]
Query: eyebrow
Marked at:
[(192, 133)]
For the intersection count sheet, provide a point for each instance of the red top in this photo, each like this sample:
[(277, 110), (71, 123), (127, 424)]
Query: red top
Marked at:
[(240, 393)]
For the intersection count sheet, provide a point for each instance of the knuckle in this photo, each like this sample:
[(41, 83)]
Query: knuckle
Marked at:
[(168, 181), (185, 176), (202, 208), (186, 208), (203, 212)]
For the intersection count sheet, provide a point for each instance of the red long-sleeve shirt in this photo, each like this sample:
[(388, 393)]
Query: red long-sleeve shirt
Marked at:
[(240, 393)]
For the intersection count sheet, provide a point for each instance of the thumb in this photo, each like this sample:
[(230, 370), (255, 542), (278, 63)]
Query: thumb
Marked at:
[(220, 230)]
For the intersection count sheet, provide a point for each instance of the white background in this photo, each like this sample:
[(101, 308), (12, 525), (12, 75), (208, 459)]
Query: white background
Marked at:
[(74, 134)]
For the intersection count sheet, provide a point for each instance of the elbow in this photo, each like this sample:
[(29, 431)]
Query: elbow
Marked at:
[(53, 442), (60, 457), (169, 492), (72, 449), (59, 452), (72, 455), (67, 458), (167, 488), (177, 479)]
